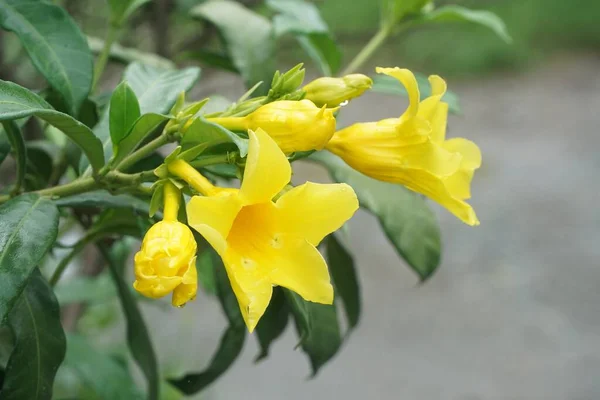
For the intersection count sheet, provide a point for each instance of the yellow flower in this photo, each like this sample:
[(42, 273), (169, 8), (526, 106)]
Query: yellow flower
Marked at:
[(334, 91), (264, 242), (167, 260), (294, 125), (412, 150)]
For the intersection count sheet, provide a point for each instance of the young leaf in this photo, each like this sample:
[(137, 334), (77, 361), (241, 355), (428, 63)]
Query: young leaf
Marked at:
[(406, 219), (28, 227), (138, 338), (17, 102), (344, 277), (231, 343), (273, 323), (248, 36), (156, 90), (454, 13), (390, 85), (142, 127), (318, 328), (39, 343), (204, 131), (124, 110), (13, 133), (303, 20), (55, 45), (108, 378), (103, 199)]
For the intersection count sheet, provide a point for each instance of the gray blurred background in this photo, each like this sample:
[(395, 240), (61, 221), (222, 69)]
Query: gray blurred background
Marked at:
[(513, 313)]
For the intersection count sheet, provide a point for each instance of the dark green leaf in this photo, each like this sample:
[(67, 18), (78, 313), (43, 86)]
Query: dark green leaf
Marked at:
[(124, 110), (345, 279), (318, 328), (156, 90), (212, 59), (103, 199), (390, 85), (404, 215), (454, 13), (206, 272), (303, 20), (120, 10), (55, 45), (39, 166), (39, 343), (4, 145), (231, 343), (248, 36), (17, 102), (144, 126), (204, 131), (273, 323), (17, 143), (28, 227), (108, 378), (138, 338)]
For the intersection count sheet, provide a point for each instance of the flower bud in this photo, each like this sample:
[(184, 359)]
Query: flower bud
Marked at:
[(334, 91), (167, 263), (294, 125)]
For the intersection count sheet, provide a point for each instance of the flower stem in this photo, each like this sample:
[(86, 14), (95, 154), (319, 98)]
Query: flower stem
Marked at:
[(111, 36), (144, 151), (171, 202), (370, 48)]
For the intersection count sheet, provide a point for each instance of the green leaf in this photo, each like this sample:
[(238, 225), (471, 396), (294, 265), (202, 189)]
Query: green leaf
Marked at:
[(17, 102), (138, 338), (39, 343), (212, 58), (39, 164), (55, 45), (28, 228), (13, 133), (406, 219), (454, 13), (142, 127), (345, 279), (273, 323), (390, 85), (108, 378), (120, 10), (156, 90), (318, 328), (303, 20), (203, 131), (393, 11), (124, 110), (231, 343), (248, 37), (206, 271), (104, 199), (4, 145)]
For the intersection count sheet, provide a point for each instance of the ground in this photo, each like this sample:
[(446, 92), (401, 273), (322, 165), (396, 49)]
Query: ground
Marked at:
[(512, 313)]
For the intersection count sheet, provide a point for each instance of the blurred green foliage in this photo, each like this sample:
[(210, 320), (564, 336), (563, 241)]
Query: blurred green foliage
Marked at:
[(538, 27)]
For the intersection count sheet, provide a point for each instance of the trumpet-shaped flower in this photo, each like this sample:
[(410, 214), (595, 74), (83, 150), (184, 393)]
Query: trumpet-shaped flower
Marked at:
[(263, 242), (294, 125), (334, 91), (167, 260), (412, 150)]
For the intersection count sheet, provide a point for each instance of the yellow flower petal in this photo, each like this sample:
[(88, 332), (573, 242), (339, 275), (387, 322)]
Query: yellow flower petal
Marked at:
[(301, 268), (188, 288), (251, 286), (267, 169), (407, 78), (213, 217), (467, 149), (315, 210), (156, 287)]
